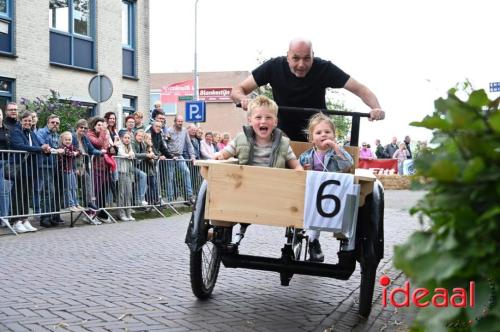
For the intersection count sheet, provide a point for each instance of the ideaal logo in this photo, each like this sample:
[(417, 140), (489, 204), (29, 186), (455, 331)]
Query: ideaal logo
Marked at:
[(460, 297), (440, 297)]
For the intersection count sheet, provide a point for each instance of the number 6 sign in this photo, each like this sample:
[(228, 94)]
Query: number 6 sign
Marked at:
[(331, 202)]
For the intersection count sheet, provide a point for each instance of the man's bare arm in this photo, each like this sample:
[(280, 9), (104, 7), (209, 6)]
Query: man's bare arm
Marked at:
[(367, 96), (239, 92)]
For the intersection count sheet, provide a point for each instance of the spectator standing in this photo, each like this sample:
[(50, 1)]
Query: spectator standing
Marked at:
[(68, 168), (139, 120), (179, 140), (207, 150), (224, 141), (126, 176), (113, 141), (156, 108), (140, 150), (379, 150), (22, 139), (216, 140), (11, 114), (150, 168), (407, 142), (401, 155), (98, 136), (129, 126), (5, 184), (365, 152), (52, 189), (391, 147), (87, 150), (34, 126), (191, 129)]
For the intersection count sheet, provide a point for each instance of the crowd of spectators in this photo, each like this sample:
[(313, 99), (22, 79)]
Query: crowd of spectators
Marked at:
[(125, 166)]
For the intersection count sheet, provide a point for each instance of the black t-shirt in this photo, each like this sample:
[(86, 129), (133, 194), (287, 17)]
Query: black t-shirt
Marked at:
[(290, 90)]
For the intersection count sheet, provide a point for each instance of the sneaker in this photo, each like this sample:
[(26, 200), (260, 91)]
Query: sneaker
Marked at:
[(131, 218), (28, 226), (74, 209), (315, 253), (144, 203), (80, 208), (104, 219), (19, 227), (124, 218)]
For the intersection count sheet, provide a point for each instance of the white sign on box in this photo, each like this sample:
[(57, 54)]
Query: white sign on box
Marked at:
[(331, 202)]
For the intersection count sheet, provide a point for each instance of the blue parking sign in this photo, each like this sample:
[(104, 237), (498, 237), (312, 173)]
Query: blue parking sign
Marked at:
[(195, 111)]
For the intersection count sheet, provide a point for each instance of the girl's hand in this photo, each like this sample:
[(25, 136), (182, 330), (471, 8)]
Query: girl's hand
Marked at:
[(328, 143), (307, 167)]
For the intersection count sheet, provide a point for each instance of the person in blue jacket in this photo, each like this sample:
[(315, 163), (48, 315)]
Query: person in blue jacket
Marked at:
[(26, 170)]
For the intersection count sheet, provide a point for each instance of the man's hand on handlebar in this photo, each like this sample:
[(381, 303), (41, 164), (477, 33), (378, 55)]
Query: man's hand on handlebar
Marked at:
[(243, 103), (376, 114)]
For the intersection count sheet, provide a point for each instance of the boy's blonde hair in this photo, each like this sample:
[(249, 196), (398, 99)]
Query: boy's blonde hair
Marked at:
[(61, 137), (262, 101), (317, 119)]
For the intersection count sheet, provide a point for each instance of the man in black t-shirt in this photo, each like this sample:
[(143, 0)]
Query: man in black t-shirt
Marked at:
[(300, 80)]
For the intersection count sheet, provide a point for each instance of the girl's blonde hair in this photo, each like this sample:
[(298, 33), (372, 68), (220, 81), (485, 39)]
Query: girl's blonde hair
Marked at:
[(315, 120), (65, 133)]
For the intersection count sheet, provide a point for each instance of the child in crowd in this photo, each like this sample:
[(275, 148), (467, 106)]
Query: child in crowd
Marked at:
[(260, 144), (126, 176), (68, 167), (225, 139), (401, 155), (326, 155), (150, 169)]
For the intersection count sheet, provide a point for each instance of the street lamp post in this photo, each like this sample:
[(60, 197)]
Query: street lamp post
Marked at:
[(195, 50)]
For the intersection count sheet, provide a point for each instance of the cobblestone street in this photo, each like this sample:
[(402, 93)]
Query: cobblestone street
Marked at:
[(134, 276)]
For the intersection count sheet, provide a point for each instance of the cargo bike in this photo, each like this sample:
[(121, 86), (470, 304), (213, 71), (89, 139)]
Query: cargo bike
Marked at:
[(275, 197)]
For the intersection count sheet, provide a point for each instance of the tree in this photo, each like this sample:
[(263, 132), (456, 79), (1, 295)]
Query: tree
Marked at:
[(69, 111), (461, 211)]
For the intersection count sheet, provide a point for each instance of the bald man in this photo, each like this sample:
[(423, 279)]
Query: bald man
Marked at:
[(300, 80)]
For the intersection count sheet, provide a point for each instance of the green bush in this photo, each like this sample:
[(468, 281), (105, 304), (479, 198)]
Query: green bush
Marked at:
[(69, 111), (460, 214)]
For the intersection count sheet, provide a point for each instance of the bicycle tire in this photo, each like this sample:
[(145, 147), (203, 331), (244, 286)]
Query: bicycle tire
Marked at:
[(204, 267), (367, 286), (204, 263)]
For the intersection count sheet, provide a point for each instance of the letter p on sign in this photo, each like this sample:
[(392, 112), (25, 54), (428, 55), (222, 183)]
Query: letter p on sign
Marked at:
[(195, 111)]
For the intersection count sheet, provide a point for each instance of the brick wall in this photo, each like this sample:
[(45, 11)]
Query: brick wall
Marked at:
[(35, 76)]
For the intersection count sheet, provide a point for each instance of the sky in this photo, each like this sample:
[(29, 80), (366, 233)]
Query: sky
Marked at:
[(407, 52)]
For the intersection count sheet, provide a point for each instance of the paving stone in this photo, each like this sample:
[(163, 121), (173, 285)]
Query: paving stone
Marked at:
[(99, 273)]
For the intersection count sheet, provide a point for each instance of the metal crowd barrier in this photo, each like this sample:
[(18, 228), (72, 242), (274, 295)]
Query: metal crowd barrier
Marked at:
[(43, 186)]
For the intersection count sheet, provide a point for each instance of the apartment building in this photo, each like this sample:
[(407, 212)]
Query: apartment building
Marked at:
[(61, 44)]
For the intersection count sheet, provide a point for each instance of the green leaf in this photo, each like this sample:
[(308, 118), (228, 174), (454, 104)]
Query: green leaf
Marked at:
[(444, 170), (494, 122), (473, 168), (478, 98), (432, 122)]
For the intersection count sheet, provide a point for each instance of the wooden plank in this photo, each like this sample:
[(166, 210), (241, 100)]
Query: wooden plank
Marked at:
[(258, 195)]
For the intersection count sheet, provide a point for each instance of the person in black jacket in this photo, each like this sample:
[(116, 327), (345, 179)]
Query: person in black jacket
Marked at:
[(23, 139), (5, 184)]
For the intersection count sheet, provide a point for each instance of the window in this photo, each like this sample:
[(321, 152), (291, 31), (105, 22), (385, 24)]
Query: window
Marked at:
[(72, 33), (6, 89), (128, 39), (6, 27), (129, 105)]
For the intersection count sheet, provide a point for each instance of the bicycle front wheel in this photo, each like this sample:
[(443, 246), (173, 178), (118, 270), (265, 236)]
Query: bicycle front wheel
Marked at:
[(204, 268)]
